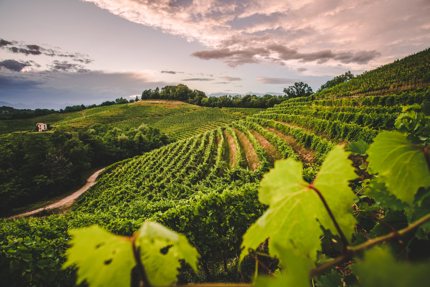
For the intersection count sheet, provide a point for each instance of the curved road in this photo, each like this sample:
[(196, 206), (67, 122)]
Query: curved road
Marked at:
[(65, 202)]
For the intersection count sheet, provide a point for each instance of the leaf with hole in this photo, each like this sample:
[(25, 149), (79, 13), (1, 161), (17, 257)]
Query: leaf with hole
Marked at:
[(102, 258), (160, 250)]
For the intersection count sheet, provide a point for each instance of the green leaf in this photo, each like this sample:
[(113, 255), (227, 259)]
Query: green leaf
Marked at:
[(379, 268), (358, 147), (331, 278), (295, 273), (401, 164), (333, 182), (291, 219), (378, 191), (102, 259), (161, 249)]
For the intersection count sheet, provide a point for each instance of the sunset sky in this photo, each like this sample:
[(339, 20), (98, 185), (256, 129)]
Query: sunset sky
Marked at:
[(55, 53)]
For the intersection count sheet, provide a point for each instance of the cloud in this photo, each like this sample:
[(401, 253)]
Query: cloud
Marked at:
[(231, 79), (4, 43), (347, 32), (197, 79), (64, 66), (233, 57), (169, 72), (12, 83), (15, 66), (37, 50), (269, 80), (277, 53)]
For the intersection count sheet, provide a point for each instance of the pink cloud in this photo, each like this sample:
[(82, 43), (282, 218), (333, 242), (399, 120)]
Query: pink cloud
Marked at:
[(357, 33)]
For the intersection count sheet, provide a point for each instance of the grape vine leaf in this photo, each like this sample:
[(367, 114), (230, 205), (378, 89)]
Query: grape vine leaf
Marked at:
[(358, 147), (401, 164), (160, 250), (377, 190), (290, 222), (102, 258), (296, 274), (379, 268)]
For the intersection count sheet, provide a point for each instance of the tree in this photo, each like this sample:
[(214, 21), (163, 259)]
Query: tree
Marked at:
[(299, 89), (337, 80)]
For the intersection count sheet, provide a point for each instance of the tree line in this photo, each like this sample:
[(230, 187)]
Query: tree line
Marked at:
[(183, 93)]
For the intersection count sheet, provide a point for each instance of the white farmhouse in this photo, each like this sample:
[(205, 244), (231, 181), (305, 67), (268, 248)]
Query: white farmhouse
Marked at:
[(41, 127)]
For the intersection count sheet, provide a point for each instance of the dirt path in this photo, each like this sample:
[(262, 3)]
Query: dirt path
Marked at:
[(231, 150), (65, 202), (305, 155), (267, 146), (248, 148)]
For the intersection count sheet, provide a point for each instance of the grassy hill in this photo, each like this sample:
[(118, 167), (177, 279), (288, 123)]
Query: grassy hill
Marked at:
[(205, 186), (176, 119)]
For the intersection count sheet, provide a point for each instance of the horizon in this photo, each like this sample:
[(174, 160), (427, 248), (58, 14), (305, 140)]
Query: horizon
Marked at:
[(116, 49)]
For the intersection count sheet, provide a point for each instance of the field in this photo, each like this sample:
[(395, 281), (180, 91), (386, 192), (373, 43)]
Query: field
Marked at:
[(205, 185), (176, 119)]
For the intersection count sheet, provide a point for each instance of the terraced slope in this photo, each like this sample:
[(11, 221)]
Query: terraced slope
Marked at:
[(176, 119), (240, 152)]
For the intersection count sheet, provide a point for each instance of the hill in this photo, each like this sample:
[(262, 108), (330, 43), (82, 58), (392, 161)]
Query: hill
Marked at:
[(205, 186), (174, 118), (405, 74)]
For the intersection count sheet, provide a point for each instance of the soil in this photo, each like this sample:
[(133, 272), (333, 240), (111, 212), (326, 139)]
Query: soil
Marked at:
[(305, 155), (248, 148), (267, 146)]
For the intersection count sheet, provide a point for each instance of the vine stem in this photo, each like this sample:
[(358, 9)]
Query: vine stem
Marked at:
[(338, 260), (426, 151), (333, 219), (351, 250), (139, 264)]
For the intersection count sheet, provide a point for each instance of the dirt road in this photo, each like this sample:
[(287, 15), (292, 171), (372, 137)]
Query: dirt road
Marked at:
[(65, 202)]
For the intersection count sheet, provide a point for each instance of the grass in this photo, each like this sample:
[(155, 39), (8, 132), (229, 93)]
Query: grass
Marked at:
[(176, 119)]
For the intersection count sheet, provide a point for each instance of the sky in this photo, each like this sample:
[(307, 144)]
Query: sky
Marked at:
[(55, 53)]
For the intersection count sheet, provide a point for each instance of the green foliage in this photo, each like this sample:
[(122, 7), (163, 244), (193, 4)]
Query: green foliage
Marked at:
[(402, 168), (299, 89), (359, 147), (37, 166), (401, 164), (102, 259), (409, 73), (191, 187), (298, 230), (176, 119), (337, 80), (160, 250), (379, 268), (183, 93)]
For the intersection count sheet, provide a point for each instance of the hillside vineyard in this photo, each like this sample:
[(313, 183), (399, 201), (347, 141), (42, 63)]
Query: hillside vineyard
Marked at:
[(205, 186), (240, 153)]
